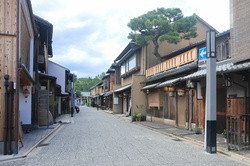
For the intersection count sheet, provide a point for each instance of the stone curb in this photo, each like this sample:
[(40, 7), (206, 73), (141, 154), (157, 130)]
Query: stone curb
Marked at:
[(227, 154), (33, 147)]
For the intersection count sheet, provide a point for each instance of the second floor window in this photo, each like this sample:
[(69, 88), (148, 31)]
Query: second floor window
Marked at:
[(132, 62), (129, 64)]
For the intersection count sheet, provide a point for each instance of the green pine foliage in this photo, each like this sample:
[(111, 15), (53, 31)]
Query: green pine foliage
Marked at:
[(162, 25)]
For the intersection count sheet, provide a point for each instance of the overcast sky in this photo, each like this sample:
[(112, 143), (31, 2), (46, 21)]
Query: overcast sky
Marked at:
[(89, 34)]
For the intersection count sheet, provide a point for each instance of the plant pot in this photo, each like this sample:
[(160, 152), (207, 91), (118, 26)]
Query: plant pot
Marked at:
[(139, 119)]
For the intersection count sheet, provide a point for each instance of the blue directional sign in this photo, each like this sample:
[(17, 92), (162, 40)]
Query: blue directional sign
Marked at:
[(203, 53)]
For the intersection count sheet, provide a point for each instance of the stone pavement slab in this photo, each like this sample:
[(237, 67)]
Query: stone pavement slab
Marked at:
[(97, 138)]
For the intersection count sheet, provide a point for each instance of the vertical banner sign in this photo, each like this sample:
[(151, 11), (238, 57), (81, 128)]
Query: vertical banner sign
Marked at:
[(210, 126)]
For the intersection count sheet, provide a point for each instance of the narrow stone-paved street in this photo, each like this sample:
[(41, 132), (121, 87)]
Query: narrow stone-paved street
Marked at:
[(97, 138)]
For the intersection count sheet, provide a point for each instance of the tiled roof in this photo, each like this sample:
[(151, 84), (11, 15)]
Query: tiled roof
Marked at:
[(124, 88), (150, 86), (169, 82)]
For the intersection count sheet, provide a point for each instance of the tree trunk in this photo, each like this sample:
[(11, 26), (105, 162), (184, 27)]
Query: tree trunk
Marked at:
[(156, 50)]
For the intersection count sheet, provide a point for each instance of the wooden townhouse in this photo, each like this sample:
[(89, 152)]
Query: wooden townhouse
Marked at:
[(45, 88), (174, 98), (63, 101), (176, 88), (17, 52), (25, 46), (95, 92), (111, 78), (133, 66)]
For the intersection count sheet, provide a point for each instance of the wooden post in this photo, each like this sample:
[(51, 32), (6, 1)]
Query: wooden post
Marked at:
[(228, 131), (239, 132)]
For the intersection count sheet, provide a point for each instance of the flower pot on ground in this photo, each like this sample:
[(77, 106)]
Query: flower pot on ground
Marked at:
[(139, 116), (134, 118)]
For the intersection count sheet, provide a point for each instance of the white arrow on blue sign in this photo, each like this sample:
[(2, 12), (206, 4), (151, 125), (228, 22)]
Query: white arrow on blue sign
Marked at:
[(203, 53)]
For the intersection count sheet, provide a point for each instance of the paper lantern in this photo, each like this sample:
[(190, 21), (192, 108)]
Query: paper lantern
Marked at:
[(181, 92), (26, 93)]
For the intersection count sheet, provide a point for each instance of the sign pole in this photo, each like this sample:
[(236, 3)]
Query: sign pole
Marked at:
[(210, 123)]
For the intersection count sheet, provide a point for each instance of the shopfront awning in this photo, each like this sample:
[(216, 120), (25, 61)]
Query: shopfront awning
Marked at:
[(123, 88), (25, 77), (150, 86), (169, 82)]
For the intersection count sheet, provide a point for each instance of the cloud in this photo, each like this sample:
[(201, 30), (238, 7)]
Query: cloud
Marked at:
[(89, 35)]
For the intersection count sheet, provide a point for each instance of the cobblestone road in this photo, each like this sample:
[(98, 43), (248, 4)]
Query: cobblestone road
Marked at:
[(96, 138)]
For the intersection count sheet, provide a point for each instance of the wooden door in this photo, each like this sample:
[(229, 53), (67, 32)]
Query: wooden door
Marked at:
[(182, 110), (221, 109), (43, 107), (171, 106)]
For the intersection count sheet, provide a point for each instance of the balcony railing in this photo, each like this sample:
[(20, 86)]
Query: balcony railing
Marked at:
[(177, 61)]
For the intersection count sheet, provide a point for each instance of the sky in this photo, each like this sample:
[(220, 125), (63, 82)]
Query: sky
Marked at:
[(89, 34)]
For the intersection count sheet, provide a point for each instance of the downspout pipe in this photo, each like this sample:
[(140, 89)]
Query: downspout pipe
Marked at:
[(16, 120)]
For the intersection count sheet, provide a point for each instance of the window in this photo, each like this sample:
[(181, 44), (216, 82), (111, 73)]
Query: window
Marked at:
[(126, 66), (122, 68), (129, 64), (228, 49), (224, 56), (132, 62)]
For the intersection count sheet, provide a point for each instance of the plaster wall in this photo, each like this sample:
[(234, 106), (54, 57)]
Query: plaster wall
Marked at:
[(59, 72), (25, 107)]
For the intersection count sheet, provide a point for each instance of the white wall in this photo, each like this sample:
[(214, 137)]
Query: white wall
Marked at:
[(25, 107), (59, 72), (236, 89)]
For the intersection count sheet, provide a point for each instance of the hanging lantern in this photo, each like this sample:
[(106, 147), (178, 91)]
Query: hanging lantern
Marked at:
[(50, 93), (171, 89), (181, 92), (26, 93), (166, 89)]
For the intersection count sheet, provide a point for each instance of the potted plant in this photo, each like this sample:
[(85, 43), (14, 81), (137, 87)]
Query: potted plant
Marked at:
[(134, 117), (139, 116), (224, 133)]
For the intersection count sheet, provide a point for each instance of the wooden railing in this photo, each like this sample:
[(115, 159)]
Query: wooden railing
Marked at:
[(238, 131), (177, 61)]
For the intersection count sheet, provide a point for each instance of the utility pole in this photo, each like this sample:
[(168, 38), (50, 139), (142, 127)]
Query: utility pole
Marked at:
[(210, 126)]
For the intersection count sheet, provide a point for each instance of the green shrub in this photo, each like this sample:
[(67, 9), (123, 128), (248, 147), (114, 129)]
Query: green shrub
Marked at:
[(197, 130), (224, 133), (139, 116)]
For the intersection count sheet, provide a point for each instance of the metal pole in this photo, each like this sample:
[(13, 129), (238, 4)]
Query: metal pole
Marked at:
[(210, 119), (6, 127)]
